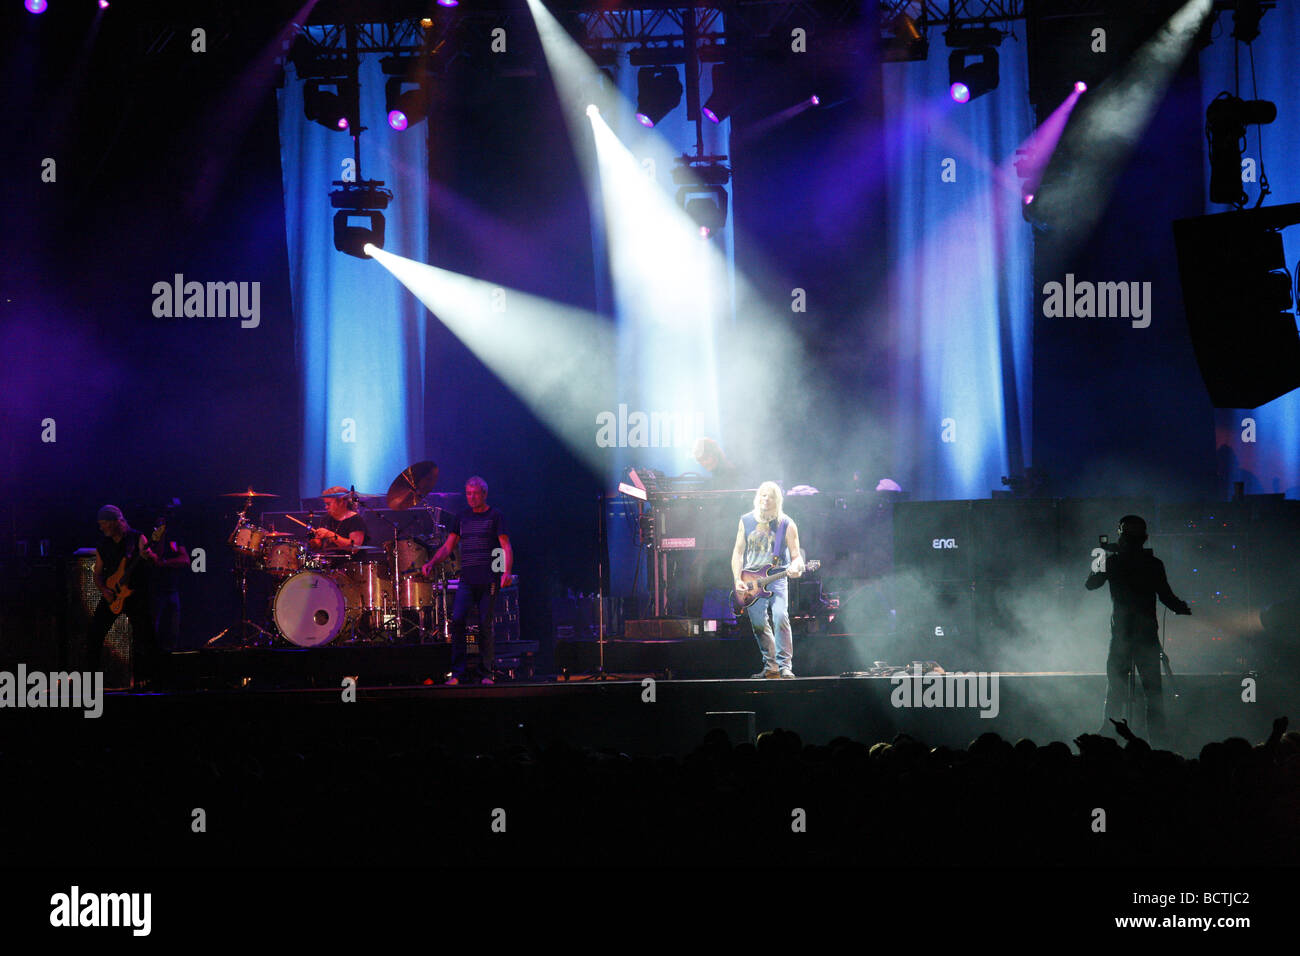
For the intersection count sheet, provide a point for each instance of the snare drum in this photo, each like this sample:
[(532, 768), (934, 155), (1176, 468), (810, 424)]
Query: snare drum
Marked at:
[(247, 538), (282, 557), (311, 608)]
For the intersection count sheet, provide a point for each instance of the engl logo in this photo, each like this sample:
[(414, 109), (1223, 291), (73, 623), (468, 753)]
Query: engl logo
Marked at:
[(941, 543)]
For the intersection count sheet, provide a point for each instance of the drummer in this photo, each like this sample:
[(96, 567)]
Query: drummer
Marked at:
[(343, 528)]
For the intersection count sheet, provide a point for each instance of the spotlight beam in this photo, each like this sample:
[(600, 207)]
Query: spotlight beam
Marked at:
[(558, 359), (1095, 148)]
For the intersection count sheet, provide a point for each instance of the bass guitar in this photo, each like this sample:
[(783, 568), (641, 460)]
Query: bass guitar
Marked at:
[(756, 583), (117, 581)]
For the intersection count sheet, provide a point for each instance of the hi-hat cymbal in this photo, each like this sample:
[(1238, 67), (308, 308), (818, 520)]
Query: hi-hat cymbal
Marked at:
[(412, 485), (250, 493)]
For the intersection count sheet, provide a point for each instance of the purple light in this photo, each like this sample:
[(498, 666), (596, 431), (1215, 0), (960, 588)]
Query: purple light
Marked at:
[(1081, 87), (448, 3), (1029, 197), (35, 6), (960, 92), (816, 100), (711, 115), (644, 120), (103, 4), (704, 232), (343, 122), (397, 120)]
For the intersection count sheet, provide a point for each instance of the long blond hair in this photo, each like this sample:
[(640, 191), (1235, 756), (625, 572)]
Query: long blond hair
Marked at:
[(775, 489)]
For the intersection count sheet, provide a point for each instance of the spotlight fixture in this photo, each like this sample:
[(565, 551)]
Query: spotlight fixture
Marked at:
[(405, 107), (707, 205), (723, 98), (1081, 87), (1226, 120), (1246, 15), (407, 94), (35, 6), (701, 194), (972, 73), (659, 90), (359, 203), (973, 62), (333, 103)]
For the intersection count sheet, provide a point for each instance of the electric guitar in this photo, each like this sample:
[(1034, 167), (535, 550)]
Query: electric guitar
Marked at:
[(756, 583), (117, 582)]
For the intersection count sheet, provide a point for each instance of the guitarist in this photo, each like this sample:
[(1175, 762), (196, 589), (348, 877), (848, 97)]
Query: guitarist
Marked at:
[(123, 548), (767, 536)]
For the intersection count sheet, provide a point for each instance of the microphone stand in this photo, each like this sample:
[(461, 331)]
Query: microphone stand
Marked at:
[(600, 673), (600, 586)]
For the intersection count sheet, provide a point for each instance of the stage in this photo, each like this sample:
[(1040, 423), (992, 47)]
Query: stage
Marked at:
[(643, 713)]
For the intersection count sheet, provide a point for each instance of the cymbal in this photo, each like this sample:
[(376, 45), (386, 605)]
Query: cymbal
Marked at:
[(277, 534), (412, 485), (250, 493), (348, 494)]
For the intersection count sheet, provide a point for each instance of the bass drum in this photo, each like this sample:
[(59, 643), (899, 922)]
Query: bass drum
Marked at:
[(313, 607)]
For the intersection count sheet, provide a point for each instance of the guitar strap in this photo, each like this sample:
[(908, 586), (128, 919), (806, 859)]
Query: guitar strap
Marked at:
[(778, 540)]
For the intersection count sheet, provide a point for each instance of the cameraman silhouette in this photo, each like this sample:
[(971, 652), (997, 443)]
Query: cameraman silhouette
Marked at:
[(1137, 578)]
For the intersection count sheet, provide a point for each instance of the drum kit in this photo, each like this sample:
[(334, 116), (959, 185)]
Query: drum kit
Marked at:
[(367, 594)]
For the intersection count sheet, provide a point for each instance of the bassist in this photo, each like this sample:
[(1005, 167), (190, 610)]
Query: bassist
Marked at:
[(768, 536), (122, 567)]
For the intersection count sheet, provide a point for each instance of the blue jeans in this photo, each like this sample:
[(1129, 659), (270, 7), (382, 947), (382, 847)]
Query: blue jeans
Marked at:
[(483, 596), (778, 651)]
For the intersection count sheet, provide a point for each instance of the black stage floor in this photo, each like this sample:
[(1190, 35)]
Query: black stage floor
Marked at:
[(647, 714)]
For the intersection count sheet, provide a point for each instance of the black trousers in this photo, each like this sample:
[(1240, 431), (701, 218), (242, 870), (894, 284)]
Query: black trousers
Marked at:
[(144, 648), (1127, 652)]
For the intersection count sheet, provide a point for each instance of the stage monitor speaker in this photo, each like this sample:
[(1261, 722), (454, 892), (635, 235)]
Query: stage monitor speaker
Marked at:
[(1237, 298), (83, 598), (662, 629)]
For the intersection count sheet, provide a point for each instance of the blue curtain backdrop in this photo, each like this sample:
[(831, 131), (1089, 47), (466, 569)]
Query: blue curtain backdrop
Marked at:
[(1270, 464), (360, 335), (961, 288)]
